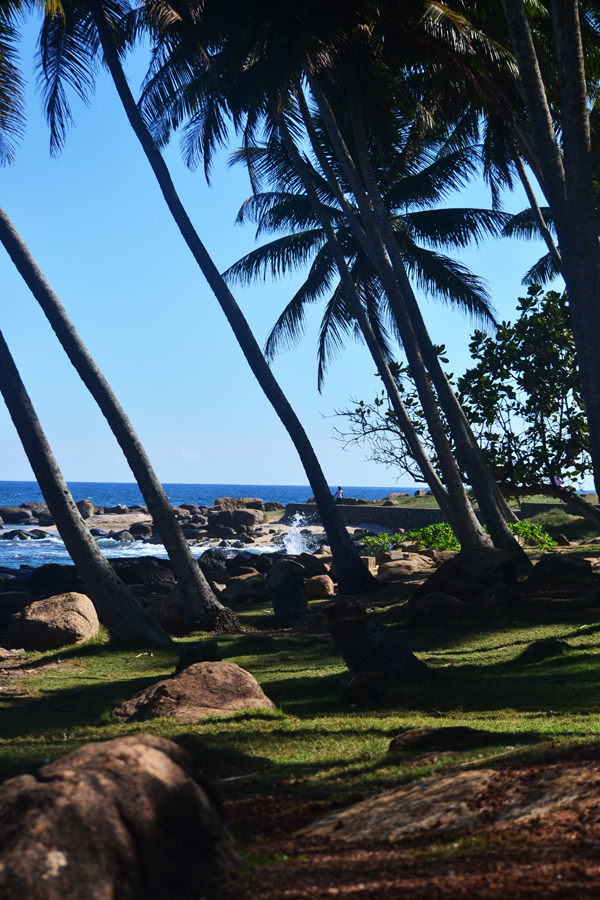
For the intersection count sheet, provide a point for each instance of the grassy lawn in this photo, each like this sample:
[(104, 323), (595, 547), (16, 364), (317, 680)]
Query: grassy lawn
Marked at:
[(52, 703)]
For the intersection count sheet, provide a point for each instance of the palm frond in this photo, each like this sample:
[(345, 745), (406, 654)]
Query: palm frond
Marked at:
[(542, 272), (289, 328), (524, 224), (285, 254), (12, 99), (456, 228)]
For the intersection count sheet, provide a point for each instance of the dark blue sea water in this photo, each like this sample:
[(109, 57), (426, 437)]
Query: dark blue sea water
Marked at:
[(13, 493), (16, 553)]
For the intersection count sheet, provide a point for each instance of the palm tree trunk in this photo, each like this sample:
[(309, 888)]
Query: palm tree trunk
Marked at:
[(201, 609), (454, 502), (353, 575), (415, 339), (535, 208), (493, 506), (117, 608), (567, 184)]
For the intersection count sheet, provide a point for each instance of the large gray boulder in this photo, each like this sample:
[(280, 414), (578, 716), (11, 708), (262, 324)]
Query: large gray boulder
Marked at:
[(248, 517), (127, 819), (200, 690), (467, 574), (55, 622)]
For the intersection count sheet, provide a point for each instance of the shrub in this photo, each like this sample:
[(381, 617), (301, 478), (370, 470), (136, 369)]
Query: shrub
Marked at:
[(438, 537)]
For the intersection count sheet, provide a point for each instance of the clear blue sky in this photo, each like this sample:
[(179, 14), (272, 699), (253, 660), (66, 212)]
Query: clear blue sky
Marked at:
[(98, 227)]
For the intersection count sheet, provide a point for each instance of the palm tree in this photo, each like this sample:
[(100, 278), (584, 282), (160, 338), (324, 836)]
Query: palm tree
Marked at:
[(246, 66), (70, 41), (201, 609), (117, 608), (296, 212)]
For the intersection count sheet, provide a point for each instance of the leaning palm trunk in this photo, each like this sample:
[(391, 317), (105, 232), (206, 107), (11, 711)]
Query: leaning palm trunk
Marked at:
[(454, 501), (200, 607), (378, 241), (351, 572), (117, 608)]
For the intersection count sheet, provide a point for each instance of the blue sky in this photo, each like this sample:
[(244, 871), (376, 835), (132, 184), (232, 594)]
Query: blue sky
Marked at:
[(97, 225)]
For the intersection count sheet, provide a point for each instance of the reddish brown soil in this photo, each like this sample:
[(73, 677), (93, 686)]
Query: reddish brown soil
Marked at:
[(556, 856)]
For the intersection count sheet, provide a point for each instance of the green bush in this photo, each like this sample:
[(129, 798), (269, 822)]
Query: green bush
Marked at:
[(438, 537), (533, 535), (381, 543)]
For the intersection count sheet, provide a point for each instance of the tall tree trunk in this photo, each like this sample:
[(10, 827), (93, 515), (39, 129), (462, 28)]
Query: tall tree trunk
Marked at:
[(201, 609), (415, 338), (454, 502), (567, 184), (494, 508), (352, 573), (537, 213), (117, 608)]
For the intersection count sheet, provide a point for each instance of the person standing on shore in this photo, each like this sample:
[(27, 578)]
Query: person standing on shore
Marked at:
[(339, 495)]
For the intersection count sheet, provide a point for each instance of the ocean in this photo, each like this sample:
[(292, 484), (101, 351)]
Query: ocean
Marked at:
[(16, 553)]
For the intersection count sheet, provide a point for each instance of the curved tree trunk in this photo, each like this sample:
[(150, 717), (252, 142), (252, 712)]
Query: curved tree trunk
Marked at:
[(420, 352), (201, 609), (117, 608), (453, 502), (351, 571)]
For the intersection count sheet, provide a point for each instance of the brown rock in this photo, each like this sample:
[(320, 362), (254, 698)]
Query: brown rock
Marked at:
[(248, 517), (371, 564), (313, 565), (319, 587), (239, 503), (286, 588), (555, 569), (469, 572), (15, 515), (203, 689), (436, 609), (121, 819), (139, 529), (165, 612), (52, 623), (412, 562), (86, 508), (273, 505)]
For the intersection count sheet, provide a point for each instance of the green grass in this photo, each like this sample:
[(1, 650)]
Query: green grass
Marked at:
[(62, 700)]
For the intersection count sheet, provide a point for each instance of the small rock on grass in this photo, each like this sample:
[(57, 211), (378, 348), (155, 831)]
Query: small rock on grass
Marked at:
[(453, 737), (545, 648), (202, 689)]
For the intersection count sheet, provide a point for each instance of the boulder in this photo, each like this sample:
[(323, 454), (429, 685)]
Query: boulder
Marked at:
[(420, 493), (544, 648), (126, 818), (555, 568), (15, 515), (15, 535), (285, 585), (213, 560), (86, 508), (139, 529), (36, 508), (220, 531), (37, 534), (191, 507), (467, 574), (248, 517), (53, 573), (202, 689), (436, 609), (190, 654), (164, 611), (98, 532), (312, 623), (319, 587), (125, 537), (239, 503), (52, 623), (273, 505), (12, 602), (143, 570), (358, 689), (412, 563), (118, 510), (313, 565), (367, 647), (497, 599)]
